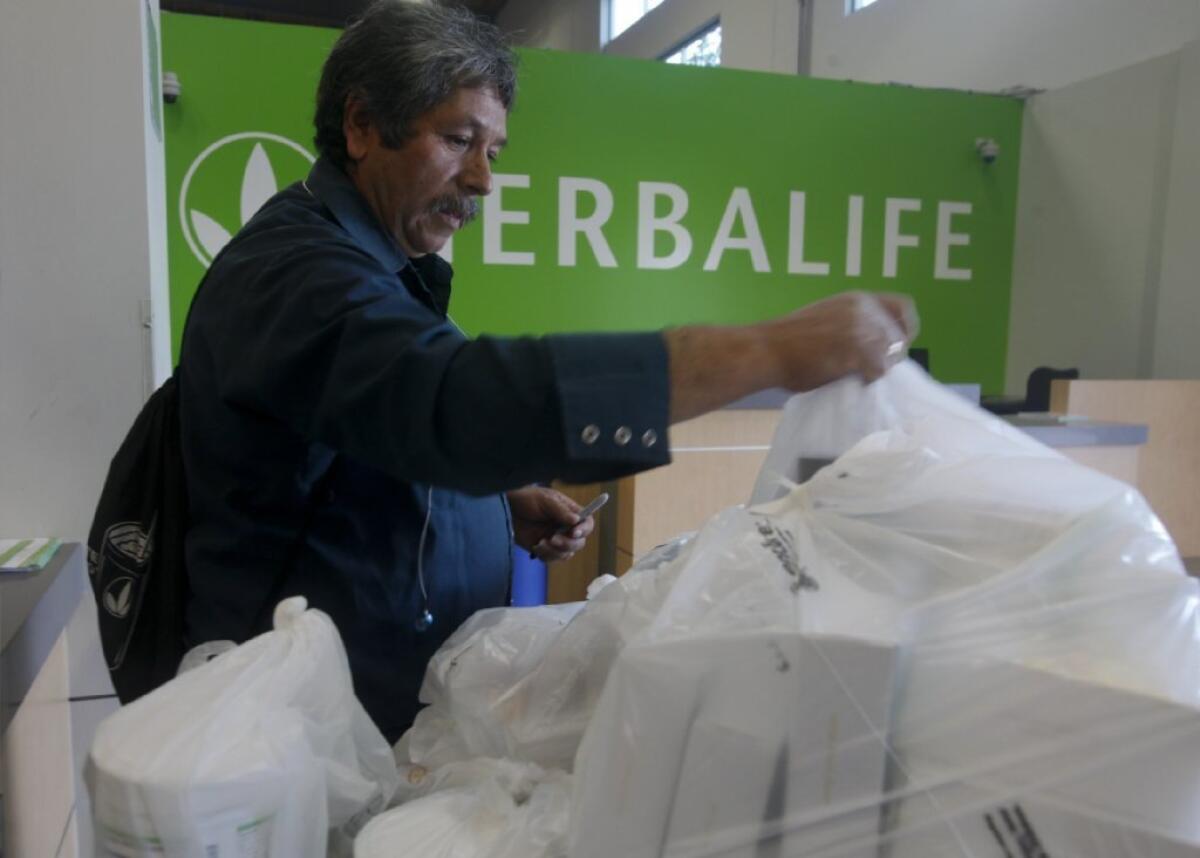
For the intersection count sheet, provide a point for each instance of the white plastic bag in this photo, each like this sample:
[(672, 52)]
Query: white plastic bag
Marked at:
[(951, 642), (560, 694), (472, 684), (521, 683), (824, 423), (260, 751), (483, 808), (739, 704)]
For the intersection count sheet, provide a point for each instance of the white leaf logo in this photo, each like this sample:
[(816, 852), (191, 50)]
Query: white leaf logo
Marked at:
[(205, 235), (258, 183), (211, 235), (258, 186)]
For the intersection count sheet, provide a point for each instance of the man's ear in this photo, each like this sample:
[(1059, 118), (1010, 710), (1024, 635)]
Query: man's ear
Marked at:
[(357, 128)]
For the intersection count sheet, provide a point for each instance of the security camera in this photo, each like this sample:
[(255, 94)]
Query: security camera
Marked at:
[(170, 87), (988, 149)]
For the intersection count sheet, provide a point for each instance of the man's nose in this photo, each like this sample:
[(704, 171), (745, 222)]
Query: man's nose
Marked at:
[(477, 174)]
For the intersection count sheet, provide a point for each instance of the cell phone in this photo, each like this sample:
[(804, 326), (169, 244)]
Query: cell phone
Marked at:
[(592, 506)]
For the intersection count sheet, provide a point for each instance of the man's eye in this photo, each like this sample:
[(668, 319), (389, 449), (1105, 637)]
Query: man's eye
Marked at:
[(458, 141), (492, 156)]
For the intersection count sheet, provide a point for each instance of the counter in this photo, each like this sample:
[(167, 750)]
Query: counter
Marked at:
[(1169, 464), (54, 690), (1060, 433)]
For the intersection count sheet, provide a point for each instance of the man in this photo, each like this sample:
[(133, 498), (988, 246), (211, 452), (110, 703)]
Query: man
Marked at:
[(344, 441)]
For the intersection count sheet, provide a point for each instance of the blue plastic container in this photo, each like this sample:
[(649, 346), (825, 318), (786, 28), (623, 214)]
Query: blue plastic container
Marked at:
[(528, 580)]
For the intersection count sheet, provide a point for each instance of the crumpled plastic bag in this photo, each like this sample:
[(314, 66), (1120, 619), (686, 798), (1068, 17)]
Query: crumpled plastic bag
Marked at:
[(482, 808), (521, 683), (472, 682), (264, 751), (473, 685)]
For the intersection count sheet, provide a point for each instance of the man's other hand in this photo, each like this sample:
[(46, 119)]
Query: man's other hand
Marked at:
[(546, 523)]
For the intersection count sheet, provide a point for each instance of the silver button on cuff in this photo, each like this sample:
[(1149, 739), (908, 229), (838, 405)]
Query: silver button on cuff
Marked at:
[(649, 438), (590, 434), (622, 435)]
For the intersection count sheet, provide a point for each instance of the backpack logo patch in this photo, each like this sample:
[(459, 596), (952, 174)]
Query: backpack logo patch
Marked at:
[(128, 540), (118, 597)]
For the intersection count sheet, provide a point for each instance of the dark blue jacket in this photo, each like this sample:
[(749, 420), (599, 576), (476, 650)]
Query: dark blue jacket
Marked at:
[(324, 391)]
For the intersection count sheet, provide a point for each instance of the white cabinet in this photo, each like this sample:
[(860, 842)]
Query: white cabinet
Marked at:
[(46, 809)]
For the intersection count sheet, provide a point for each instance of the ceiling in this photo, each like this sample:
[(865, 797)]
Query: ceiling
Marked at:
[(327, 13)]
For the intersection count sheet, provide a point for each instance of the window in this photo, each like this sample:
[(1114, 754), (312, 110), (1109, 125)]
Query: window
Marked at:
[(701, 50), (623, 14), (855, 5)]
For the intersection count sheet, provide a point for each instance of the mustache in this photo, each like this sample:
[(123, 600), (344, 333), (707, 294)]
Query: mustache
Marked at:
[(466, 209)]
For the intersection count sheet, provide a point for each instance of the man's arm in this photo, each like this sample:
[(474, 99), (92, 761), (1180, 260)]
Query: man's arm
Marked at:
[(330, 347), (854, 333)]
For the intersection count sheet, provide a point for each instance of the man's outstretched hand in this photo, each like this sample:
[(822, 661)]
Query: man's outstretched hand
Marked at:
[(853, 333)]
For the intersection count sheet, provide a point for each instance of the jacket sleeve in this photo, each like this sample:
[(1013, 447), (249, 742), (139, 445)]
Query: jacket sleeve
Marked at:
[(334, 347)]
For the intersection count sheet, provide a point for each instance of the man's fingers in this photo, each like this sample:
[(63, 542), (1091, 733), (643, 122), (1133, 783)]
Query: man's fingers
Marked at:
[(564, 542), (568, 542), (575, 528), (903, 311), (548, 551), (896, 349), (583, 529), (874, 367), (882, 342), (560, 508)]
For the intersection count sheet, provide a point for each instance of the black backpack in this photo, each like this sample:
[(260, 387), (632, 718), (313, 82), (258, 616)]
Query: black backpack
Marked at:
[(135, 551)]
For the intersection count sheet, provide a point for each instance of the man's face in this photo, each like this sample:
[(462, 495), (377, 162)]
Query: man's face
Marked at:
[(426, 189)]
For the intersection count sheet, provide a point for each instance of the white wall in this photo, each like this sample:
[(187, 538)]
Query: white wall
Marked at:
[(1176, 346), (963, 44), (565, 25), (82, 250), (761, 35), (1089, 156), (1105, 260), (995, 44)]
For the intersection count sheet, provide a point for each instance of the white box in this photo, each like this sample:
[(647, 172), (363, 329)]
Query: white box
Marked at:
[(1007, 827), (997, 760), (736, 745)]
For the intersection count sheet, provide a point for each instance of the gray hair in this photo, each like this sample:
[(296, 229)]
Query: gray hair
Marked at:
[(402, 59)]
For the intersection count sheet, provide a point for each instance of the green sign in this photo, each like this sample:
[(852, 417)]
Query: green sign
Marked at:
[(240, 131), (638, 195)]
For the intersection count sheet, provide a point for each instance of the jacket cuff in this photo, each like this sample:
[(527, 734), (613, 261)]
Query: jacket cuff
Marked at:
[(614, 396)]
